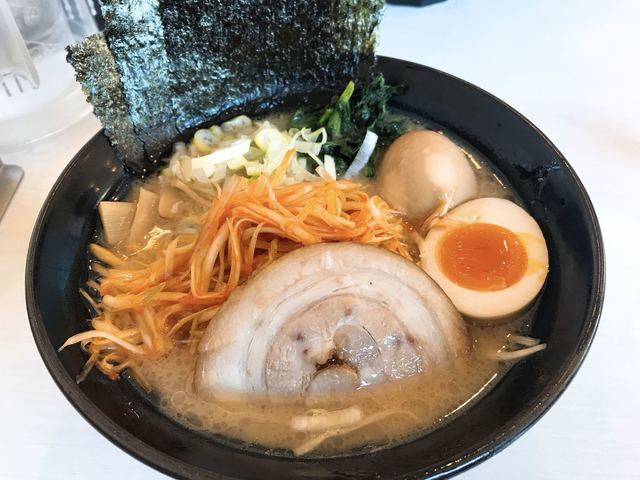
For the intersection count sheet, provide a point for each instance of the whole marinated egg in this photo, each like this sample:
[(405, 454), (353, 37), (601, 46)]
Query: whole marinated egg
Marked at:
[(489, 256), (423, 170)]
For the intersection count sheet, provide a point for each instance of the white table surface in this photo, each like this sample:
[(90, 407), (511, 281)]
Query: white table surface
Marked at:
[(573, 68)]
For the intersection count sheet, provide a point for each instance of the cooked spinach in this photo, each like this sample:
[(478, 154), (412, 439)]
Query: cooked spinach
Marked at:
[(348, 117)]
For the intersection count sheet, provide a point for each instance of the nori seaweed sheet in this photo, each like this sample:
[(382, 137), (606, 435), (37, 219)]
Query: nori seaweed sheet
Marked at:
[(96, 71), (170, 65), (135, 36), (242, 50)]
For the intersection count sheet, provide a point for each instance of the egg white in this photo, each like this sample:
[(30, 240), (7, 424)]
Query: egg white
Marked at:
[(423, 169), (500, 304)]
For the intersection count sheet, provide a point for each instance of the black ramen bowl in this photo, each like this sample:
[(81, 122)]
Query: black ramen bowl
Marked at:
[(566, 317)]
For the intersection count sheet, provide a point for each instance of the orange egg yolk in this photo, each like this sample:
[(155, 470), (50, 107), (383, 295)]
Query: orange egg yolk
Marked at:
[(482, 256)]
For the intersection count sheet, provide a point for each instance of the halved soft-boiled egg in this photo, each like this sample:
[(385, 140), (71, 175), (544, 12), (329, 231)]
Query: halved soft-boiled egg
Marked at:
[(489, 256)]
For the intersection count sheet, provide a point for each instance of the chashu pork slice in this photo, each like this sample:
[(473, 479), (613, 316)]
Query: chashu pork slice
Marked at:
[(329, 317)]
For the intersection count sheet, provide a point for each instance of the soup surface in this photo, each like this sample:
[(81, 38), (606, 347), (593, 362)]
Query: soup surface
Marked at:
[(404, 408)]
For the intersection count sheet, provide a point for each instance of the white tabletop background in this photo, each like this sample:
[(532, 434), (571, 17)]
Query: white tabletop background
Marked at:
[(573, 68)]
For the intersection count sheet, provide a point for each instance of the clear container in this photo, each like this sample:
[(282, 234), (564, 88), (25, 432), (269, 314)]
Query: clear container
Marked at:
[(52, 101)]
